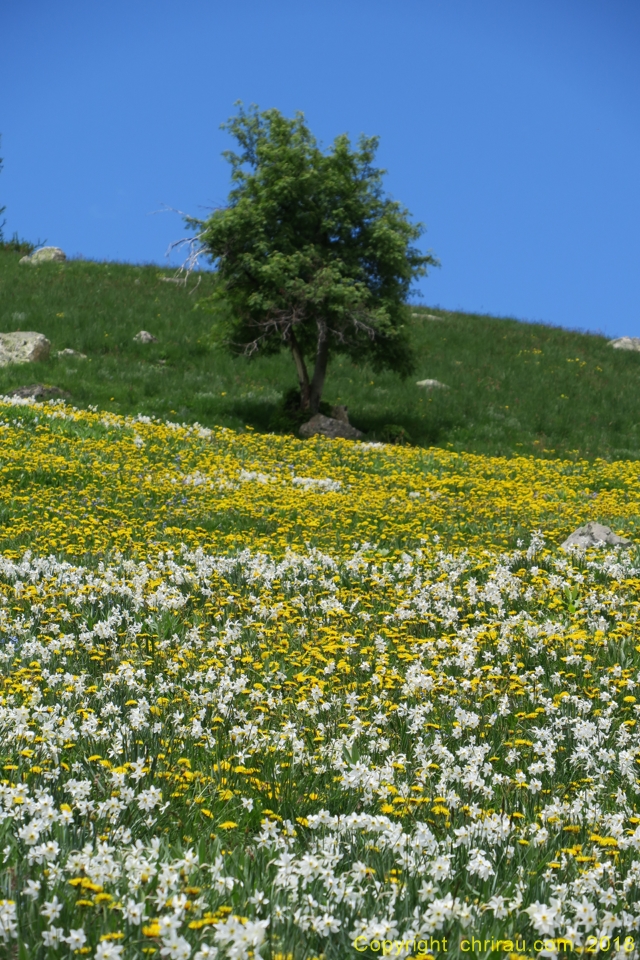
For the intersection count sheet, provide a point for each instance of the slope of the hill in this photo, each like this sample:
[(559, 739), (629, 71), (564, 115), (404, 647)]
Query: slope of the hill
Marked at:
[(514, 387)]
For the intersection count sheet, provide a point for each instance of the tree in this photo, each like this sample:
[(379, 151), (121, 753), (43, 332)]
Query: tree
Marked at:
[(309, 252)]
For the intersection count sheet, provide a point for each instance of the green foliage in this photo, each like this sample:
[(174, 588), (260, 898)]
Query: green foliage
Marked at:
[(312, 256), (16, 245), (395, 433)]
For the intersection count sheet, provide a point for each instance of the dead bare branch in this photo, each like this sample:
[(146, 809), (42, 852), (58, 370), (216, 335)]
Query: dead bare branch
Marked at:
[(191, 262)]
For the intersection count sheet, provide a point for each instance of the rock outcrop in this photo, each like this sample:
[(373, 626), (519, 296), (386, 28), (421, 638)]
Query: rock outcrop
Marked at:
[(145, 337), (45, 255), (19, 347), (593, 534), (329, 427)]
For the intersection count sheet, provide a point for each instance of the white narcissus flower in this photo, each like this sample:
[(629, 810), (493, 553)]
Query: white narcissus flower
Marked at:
[(480, 865), (53, 936), (133, 912), (175, 947), (206, 953), (32, 889), (498, 905), (427, 890), (8, 921), (586, 914), (440, 868), (325, 925), (543, 918), (30, 833), (76, 939), (108, 950), (51, 909), (148, 799)]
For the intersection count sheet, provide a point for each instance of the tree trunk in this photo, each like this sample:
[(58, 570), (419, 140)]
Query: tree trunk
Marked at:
[(320, 368), (301, 370)]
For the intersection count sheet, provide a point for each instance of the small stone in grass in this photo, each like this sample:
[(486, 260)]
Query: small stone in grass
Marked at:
[(593, 534), (625, 343), (39, 392), (69, 352), (45, 255), (145, 337), (431, 385)]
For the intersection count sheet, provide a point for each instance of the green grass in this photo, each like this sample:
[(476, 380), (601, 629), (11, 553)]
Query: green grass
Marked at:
[(515, 388)]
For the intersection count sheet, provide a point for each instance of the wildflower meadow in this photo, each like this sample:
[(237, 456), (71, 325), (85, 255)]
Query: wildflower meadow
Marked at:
[(265, 698)]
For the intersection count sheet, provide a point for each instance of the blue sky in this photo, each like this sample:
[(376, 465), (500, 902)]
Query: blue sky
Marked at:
[(510, 128)]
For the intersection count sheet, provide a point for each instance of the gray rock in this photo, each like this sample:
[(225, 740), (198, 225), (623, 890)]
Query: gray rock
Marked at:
[(593, 534), (39, 392), (45, 255), (431, 385), (329, 427), (68, 352), (19, 347), (625, 343), (145, 337)]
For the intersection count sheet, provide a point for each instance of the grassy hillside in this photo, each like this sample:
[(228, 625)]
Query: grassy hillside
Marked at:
[(515, 388)]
